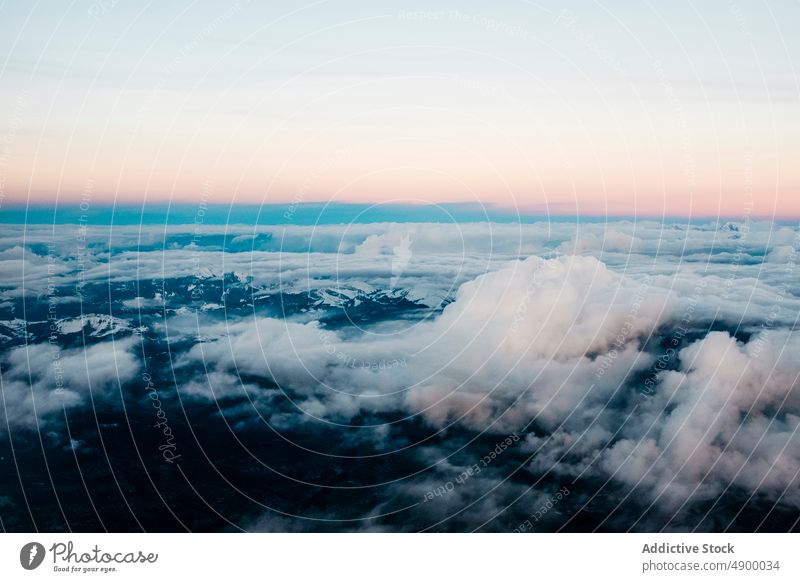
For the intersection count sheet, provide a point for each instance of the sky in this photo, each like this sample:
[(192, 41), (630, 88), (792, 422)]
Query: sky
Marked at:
[(621, 108)]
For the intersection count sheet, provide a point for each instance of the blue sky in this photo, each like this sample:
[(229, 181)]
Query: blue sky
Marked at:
[(613, 108)]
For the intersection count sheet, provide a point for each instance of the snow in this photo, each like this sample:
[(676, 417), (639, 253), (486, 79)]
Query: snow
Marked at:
[(100, 325)]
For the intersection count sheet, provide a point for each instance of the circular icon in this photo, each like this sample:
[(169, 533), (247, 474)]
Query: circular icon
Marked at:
[(31, 555)]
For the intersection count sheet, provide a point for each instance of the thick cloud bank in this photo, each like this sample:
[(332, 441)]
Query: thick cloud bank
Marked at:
[(555, 348), (403, 377)]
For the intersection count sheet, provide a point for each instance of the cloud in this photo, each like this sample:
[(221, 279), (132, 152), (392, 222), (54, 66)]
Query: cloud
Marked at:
[(41, 380), (555, 348), (752, 255), (655, 357), (610, 240), (497, 355), (728, 417)]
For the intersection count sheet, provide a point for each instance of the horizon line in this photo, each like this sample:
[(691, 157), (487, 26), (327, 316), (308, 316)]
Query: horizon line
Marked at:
[(23, 212)]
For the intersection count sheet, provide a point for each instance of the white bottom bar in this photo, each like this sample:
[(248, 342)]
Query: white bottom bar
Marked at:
[(406, 557)]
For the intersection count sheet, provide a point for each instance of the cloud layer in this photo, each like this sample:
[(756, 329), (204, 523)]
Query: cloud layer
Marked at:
[(646, 367)]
